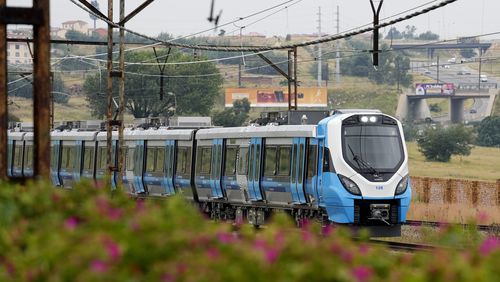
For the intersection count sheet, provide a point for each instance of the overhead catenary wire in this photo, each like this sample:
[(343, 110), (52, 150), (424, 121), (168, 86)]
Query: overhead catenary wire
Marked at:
[(287, 46)]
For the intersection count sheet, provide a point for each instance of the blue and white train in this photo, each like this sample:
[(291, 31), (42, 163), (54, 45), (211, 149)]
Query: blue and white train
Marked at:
[(350, 168)]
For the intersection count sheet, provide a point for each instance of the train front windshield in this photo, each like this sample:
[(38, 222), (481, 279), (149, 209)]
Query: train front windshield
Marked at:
[(372, 148)]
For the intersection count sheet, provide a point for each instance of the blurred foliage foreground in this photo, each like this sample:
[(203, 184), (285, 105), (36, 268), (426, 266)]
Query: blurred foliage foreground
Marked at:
[(87, 234)]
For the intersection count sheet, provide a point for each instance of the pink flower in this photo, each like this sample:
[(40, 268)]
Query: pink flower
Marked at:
[(327, 230), (213, 253), (279, 239), (346, 256), (364, 249), (306, 235), (113, 250), (167, 277), (362, 273), (271, 255), (71, 223), (226, 238), (114, 213), (98, 266), (489, 245), (259, 244)]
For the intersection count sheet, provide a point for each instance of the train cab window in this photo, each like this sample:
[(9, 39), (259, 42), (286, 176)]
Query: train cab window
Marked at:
[(28, 158), (270, 161), (230, 164), (243, 161), (129, 159), (284, 160), (150, 159), (204, 159), (160, 159), (311, 161)]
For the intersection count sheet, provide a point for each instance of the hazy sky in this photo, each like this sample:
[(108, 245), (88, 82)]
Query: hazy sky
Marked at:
[(464, 17)]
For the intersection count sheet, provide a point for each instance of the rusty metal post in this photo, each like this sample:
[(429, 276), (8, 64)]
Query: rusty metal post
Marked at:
[(121, 86), (295, 76), (41, 95), (3, 97), (448, 194), (109, 112)]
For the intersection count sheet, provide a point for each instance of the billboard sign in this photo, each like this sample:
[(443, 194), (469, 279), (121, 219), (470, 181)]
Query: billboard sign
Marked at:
[(277, 97), (434, 89)]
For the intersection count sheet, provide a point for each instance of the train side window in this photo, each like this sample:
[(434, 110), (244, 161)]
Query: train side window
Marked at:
[(284, 161), (18, 156), (87, 158), (181, 160), (270, 162), (150, 159), (53, 158), (257, 163), (160, 159), (71, 157), (301, 162), (230, 164), (64, 158), (327, 161), (102, 157), (242, 161), (28, 159), (203, 160), (311, 161), (130, 159)]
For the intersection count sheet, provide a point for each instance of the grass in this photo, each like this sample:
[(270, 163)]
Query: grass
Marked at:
[(482, 164)]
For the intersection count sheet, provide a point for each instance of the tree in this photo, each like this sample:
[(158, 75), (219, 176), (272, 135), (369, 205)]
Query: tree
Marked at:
[(234, 116), (393, 67), (24, 88), (488, 132), (467, 53), (76, 35), (428, 35), (324, 70), (439, 144), (409, 32), (192, 87), (394, 33)]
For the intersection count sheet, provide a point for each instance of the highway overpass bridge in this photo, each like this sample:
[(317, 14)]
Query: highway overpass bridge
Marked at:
[(414, 107), (432, 47)]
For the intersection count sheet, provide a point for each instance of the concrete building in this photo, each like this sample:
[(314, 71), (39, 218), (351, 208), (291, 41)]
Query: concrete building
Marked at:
[(78, 25), (18, 53)]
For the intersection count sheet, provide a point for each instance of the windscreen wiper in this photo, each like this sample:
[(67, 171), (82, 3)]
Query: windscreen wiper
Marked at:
[(362, 164)]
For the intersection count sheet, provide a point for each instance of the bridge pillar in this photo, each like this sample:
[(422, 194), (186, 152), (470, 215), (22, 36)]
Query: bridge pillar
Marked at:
[(456, 110), (419, 110)]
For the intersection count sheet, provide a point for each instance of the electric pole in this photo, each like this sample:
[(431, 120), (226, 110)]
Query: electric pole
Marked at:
[(337, 62), (319, 48), (437, 69)]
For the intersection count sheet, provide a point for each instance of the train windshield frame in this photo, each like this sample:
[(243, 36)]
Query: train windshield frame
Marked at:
[(372, 148)]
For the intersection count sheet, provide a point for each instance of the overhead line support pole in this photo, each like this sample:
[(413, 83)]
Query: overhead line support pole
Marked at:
[(376, 13), (134, 12), (38, 17), (109, 90), (121, 103)]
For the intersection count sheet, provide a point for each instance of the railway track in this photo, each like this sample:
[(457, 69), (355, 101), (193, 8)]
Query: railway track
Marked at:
[(494, 228), (401, 246)]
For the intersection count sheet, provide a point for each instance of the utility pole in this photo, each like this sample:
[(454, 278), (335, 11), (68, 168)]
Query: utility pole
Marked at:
[(437, 69), (121, 92), (479, 78), (337, 62), (109, 90), (241, 62), (319, 48), (376, 13)]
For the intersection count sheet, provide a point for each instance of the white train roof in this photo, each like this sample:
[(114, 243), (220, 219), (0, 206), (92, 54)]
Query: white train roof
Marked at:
[(18, 136), (258, 131), (160, 134), (73, 135)]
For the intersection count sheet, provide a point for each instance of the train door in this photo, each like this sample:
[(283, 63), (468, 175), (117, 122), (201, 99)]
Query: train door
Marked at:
[(203, 170), (312, 171), (254, 169), (234, 180), (168, 180), (28, 157), (17, 168), (183, 169), (68, 163), (139, 167), (128, 176), (242, 171), (298, 165), (77, 171), (55, 160), (114, 161), (215, 172), (154, 171)]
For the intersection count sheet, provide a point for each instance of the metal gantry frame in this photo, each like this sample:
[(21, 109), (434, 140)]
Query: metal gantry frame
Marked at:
[(37, 16)]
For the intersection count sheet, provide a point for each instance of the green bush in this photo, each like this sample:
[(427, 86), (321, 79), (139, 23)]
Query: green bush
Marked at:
[(87, 234), (488, 132), (439, 143)]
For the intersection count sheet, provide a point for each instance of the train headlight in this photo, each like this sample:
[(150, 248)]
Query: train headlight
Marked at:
[(349, 185), (402, 185), (364, 119)]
